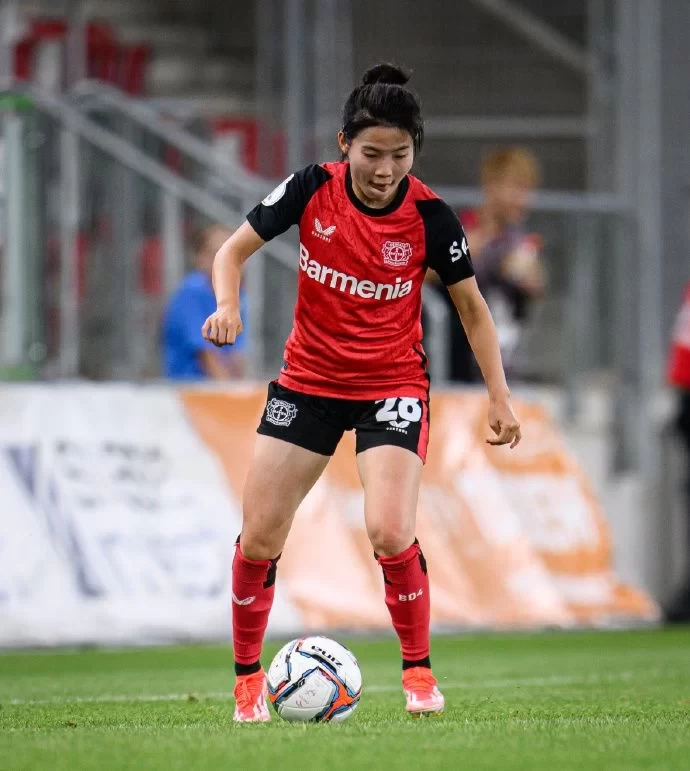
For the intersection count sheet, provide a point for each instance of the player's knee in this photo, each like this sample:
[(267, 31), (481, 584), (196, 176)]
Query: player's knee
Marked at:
[(259, 546), (264, 529), (389, 540)]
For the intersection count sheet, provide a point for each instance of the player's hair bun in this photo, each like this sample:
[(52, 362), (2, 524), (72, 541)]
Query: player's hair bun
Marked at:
[(385, 73), (390, 105)]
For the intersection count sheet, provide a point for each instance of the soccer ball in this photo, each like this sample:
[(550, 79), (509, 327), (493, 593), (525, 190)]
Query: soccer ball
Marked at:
[(314, 679)]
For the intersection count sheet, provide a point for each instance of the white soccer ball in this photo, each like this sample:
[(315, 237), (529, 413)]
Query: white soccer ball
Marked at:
[(314, 679)]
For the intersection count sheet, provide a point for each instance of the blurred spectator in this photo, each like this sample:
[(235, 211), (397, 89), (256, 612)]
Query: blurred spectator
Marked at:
[(506, 258), (186, 355), (679, 377)]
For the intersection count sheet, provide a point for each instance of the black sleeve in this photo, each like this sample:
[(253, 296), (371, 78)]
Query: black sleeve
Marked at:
[(284, 207), (447, 251)]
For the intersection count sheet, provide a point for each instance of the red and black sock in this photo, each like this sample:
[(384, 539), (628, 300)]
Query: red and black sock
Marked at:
[(407, 597), (253, 589)]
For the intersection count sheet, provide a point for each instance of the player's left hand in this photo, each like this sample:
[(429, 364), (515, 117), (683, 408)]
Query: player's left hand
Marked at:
[(503, 423)]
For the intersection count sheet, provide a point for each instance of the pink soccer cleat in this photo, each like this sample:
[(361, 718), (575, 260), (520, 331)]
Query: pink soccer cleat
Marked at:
[(250, 699), (421, 690)]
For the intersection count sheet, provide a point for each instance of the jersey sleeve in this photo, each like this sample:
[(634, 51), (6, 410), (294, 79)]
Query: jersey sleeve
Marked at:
[(447, 251), (283, 208)]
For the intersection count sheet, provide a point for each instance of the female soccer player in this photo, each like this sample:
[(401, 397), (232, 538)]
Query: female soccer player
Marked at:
[(354, 361)]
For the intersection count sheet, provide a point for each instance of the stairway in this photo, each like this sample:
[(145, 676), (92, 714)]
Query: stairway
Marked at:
[(184, 67)]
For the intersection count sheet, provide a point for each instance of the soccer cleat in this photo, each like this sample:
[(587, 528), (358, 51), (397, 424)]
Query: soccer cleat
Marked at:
[(421, 690), (250, 699)]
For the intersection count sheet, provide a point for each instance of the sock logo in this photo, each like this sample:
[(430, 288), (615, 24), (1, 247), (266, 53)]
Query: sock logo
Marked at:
[(245, 601), (410, 597)]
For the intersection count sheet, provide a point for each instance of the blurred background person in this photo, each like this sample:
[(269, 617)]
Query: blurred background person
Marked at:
[(186, 355), (507, 259), (679, 377)]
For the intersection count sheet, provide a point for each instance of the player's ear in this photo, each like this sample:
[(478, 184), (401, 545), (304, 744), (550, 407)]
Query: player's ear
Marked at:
[(343, 144)]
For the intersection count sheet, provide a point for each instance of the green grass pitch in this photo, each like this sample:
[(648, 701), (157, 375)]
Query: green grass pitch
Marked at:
[(579, 700)]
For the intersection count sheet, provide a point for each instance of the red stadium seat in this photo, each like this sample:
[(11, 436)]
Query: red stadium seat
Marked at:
[(107, 60), (134, 59)]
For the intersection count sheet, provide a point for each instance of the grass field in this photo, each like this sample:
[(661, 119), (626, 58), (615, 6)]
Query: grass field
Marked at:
[(552, 701)]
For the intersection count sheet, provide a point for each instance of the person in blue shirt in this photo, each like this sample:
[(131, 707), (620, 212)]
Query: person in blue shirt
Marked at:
[(186, 355)]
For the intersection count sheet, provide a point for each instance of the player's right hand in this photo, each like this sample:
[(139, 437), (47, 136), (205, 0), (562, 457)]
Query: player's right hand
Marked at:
[(222, 327)]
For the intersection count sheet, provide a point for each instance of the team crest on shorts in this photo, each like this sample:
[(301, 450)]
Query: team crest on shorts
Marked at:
[(280, 413), (396, 253)]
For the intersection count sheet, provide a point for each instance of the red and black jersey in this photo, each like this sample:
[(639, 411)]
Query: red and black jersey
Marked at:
[(357, 332)]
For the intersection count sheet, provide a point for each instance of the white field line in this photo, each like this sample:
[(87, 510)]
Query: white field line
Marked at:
[(526, 682)]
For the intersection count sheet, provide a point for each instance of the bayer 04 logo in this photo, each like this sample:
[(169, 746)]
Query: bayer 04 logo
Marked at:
[(280, 413)]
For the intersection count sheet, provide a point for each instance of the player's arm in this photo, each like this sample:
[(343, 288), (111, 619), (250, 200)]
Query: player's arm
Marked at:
[(279, 211), (481, 332), (448, 253), (223, 326)]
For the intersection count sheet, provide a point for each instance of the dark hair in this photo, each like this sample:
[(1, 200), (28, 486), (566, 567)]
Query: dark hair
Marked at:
[(383, 100)]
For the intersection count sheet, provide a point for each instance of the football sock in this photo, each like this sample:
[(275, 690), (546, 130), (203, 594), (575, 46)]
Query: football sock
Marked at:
[(253, 588), (407, 597)]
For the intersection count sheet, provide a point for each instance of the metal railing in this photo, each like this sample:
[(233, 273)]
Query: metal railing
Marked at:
[(93, 95), (76, 130)]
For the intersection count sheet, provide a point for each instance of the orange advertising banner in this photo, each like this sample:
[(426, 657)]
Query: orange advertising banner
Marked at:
[(513, 538)]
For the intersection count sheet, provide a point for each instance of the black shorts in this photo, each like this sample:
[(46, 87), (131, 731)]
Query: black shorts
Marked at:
[(318, 423)]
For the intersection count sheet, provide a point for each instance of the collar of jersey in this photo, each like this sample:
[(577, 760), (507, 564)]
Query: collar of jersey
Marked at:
[(400, 194)]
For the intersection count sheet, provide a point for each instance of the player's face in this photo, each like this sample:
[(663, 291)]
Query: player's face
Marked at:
[(379, 157)]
